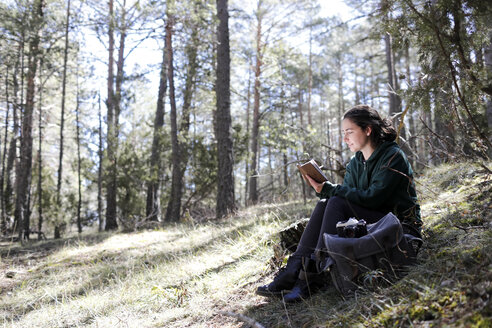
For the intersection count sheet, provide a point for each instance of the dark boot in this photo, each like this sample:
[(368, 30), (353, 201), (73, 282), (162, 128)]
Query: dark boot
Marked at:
[(284, 279), (309, 281)]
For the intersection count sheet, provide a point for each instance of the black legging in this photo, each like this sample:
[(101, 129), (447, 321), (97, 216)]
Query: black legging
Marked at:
[(324, 218)]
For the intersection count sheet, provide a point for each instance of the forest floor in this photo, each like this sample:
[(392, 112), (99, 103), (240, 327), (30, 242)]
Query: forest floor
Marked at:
[(205, 274)]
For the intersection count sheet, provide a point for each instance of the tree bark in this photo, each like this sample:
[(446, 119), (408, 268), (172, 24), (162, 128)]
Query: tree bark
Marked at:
[(247, 162), (40, 157), (23, 187), (99, 170), (62, 121), (341, 110), (310, 75), (3, 223), (394, 99), (174, 205), (12, 162), (253, 187), (488, 65), (152, 205), (111, 189), (225, 181), (174, 209), (79, 175)]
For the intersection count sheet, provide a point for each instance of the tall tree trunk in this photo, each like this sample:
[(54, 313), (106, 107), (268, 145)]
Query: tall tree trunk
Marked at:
[(225, 180), (253, 187), (341, 110), (99, 169), (40, 156), (284, 154), (394, 99), (174, 205), (356, 83), (79, 176), (412, 129), (301, 122), (62, 121), (111, 210), (23, 187), (3, 223), (310, 75), (153, 206), (12, 162), (247, 162), (488, 64), (111, 188), (191, 51)]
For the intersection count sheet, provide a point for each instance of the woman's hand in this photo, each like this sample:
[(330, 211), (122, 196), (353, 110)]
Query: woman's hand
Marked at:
[(316, 185)]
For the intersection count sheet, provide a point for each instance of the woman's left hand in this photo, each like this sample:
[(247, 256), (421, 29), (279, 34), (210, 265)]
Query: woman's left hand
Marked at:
[(316, 185)]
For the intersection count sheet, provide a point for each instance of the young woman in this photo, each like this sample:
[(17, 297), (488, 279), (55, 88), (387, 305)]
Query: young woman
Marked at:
[(378, 180)]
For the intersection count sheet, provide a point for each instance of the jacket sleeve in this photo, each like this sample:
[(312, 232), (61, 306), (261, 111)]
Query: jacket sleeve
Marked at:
[(385, 180), (348, 180)]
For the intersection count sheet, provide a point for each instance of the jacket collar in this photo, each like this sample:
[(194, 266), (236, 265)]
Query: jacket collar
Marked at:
[(379, 149)]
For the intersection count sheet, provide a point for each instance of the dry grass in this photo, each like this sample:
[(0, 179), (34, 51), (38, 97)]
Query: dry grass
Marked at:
[(177, 276), (204, 275)]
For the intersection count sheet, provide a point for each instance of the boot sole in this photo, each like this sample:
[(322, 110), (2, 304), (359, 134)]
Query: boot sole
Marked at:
[(267, 293)]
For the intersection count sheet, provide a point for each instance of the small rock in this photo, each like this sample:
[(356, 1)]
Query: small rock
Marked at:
[(10, 274), (447, 283)]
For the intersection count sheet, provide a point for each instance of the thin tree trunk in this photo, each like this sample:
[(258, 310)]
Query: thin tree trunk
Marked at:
[(341, 109), (111, 188), (310, 76), (393, 97), (40, 157), (191, 54), (3, 224), (253, 187), (153, 206), (411, 131), (356, 83), (99, 170), (12, 162), (488, 64), (62, 120), (174, 205), (79, 177), (23, 187), (284, 154), (111, 209), (301, 122), (225, 182), (247, 162)]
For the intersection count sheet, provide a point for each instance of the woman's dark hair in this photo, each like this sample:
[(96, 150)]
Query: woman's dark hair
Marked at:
[(364, 116)]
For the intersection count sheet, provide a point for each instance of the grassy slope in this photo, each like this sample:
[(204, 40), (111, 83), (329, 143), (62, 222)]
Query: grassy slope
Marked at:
[(202, 275)]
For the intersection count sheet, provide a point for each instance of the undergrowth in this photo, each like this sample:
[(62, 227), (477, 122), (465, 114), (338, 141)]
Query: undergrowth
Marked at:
[(205, 275)]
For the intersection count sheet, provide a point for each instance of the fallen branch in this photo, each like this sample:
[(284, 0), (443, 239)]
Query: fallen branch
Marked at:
[(243, 318), (470, 227)]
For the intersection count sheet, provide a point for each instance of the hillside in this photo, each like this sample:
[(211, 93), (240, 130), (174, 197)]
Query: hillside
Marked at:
[(205, 274)]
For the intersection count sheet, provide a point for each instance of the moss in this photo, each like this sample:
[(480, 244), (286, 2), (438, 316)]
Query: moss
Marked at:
[(477, 320), (473, 256)]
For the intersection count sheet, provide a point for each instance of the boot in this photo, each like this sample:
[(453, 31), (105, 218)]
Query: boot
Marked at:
[(309, 281), (284, 279)]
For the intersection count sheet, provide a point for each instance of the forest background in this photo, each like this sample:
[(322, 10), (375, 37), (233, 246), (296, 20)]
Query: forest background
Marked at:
[(120, 114)]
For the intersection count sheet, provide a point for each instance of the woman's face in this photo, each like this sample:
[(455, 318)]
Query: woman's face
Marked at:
[(356, 138)]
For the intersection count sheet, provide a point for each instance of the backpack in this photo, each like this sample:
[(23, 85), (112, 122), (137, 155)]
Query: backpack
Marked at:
[(386, 251)]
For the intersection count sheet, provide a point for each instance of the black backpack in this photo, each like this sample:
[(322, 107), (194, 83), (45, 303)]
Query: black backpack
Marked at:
[(386, 251)]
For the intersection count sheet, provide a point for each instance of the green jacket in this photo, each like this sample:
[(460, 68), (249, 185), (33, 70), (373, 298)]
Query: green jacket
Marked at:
[(384, 182)]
